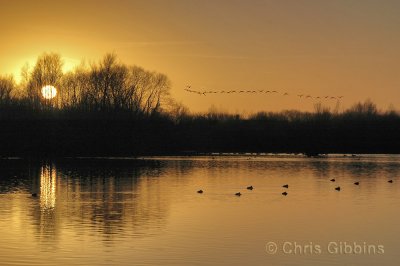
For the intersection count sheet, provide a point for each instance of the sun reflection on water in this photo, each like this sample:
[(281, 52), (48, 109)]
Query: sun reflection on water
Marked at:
[(48, 180)]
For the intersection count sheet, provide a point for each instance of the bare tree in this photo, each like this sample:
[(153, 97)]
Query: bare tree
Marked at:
[(47, 71), (107, 84), (75, 85), (178, 112), (366, 108), (110, 85), (148, 90), (7, 88)]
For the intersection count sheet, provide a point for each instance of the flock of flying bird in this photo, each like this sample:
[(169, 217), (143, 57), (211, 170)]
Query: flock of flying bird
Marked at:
[(287, 186), (304, 96)]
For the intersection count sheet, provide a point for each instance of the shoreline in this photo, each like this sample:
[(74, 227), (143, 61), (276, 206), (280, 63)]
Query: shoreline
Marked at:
[(213, 155)]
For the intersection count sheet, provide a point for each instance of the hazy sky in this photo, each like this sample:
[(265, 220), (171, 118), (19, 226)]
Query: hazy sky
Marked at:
[(348, 47)]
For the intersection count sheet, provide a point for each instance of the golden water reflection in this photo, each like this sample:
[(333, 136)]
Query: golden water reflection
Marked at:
[(116, 212), (111, 200), (48, 180)]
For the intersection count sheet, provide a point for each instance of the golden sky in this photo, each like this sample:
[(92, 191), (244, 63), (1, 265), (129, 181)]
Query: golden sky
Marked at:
[(341, 47)]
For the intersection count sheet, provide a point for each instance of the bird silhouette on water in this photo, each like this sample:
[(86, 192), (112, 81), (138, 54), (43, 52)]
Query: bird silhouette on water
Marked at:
[(250, 188), (200, 191), (34, 195), (286, 186), (356, 183), (333, 180), (390, 181), (238, 194), (338, 188), (284, 193)]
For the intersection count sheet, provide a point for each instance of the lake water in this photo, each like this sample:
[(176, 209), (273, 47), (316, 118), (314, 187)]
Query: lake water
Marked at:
[(148, 211)]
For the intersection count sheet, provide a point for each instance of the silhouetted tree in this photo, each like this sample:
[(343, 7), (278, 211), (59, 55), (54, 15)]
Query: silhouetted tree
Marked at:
[(7, 87), (148, 90), (47, 71), (319, 108), (106, 82), (178, 112), (72, 85), (367, 108), (112, 86)]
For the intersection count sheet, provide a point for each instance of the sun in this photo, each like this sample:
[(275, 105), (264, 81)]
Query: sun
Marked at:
[(49, 92)]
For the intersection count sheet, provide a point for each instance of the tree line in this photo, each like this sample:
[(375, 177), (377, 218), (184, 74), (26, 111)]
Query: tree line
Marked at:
[(105, 86), (109, 108)]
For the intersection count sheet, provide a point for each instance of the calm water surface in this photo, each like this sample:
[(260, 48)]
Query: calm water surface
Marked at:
[(147, 211)]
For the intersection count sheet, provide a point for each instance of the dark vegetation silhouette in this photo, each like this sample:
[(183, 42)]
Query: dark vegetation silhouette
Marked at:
[(108, 108)]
